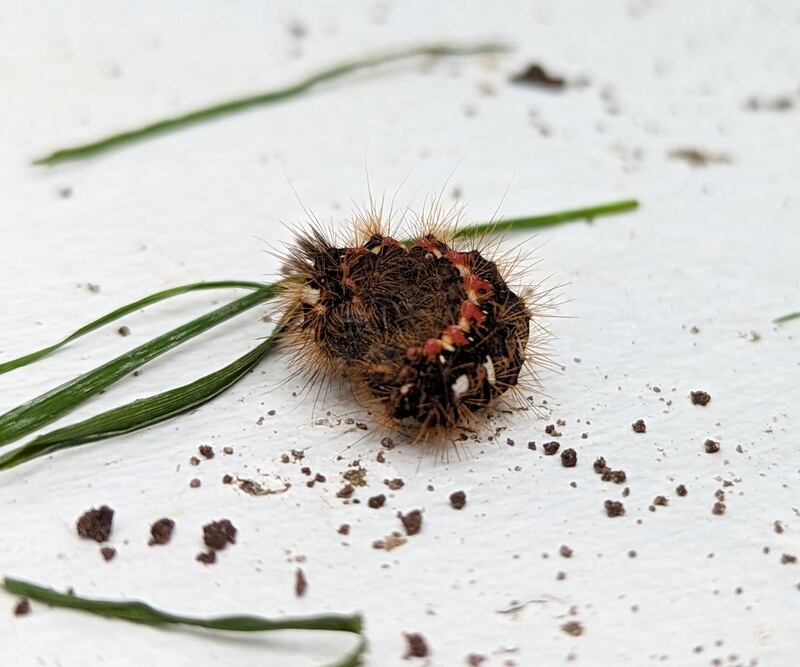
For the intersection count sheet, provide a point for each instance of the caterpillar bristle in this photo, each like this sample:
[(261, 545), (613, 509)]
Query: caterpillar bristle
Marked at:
[(430, 335)]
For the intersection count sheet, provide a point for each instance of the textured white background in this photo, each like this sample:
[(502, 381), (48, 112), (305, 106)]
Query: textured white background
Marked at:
[(715, 248)]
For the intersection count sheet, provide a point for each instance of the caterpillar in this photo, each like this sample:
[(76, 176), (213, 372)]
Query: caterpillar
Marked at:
[(426, 330)]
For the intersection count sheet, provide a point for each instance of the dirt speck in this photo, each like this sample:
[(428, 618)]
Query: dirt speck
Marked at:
[(377, 502), (161, 531), (550, 448), (681, 490), (96, 524), (416, 646), (639, 426), (711, 446), (207, 557), (218, 534), (614, 508), (718, 508), (700, 397), (573, 628), (697, 157), (22, 608), (458, 499), (412, 521), (300, 583), (569, 458), (565, 551), (536, 75), (108, 553), (206, 451)]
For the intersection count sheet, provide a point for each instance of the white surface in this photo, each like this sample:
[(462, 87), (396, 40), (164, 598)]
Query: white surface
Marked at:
[(716, 248)]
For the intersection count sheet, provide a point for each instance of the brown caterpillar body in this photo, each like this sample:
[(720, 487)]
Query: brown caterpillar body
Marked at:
[(428, 330)]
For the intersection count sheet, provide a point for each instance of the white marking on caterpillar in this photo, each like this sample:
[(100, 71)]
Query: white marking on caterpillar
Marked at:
[(406, 388), (310, 296), (489, 366), (460, 386)]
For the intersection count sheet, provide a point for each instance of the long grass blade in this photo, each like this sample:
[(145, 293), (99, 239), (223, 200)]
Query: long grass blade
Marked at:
[(549, 219), (51, 405), (260, 99), (787, 318), (121, 312), (143, 412)]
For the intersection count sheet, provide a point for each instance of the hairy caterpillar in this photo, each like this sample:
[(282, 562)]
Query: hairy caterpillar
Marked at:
[(428, 330)]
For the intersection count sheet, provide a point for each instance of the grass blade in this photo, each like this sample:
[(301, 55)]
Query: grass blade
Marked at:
[(121, 312), (269, 97), (143, 412), (140, 612), (787, 318), (51, 405), (549, 219)]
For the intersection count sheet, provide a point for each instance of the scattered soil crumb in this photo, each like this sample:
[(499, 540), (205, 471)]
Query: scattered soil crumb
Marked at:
[(218, 534), (711, 446), (458, 499), (639, 426), (22, 608), (536, 75), (700, 397), (614, 508), (417, 647), (391, 542), (124, 331), (346, 491), (532, 445), (412, 521), (599, 465), (300, 583), (298, 455), (253, 488), (697, 157), (195, 483), (108, 553), (475, 660), (194, 461), (779, 103), (161, 531), (550, 448), (357, 476), (394, 484), (377, 502), (227, 450), (719, 508), (778, 527), (788, 559), (569, 458), (660, 501), (344, 529), (387, 442), (616, 476), (94, 289), (681, 490), (206, 451), (550, 429), (380, 457), (227, 479), (565, 551), (96, 524), (632, 553), (207, 557), (573, 628)]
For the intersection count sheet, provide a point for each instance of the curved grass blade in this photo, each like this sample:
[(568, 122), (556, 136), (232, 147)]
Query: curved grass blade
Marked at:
[(140, 612), (121, 312), (143, 412), (549, 219), (51, 405), (787, 318), (269, 97)]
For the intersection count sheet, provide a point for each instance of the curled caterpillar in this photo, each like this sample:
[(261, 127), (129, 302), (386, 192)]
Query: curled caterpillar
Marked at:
[(428, 329)]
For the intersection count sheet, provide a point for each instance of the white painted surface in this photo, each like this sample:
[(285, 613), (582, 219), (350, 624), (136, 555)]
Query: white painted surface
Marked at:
[(715, 248)]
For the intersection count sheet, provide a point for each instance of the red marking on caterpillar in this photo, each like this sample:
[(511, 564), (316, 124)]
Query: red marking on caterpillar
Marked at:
[(431, 335)]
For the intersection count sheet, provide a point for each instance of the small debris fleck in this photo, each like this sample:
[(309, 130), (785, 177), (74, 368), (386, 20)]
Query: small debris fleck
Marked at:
[(569, 458), (194, 483), (300, 583), (700, 397), (206, 451), (550, 448), (346, 491), (681, 490), (377, 502), (344, 529), (458, 499), (573, 628), (394, 484), (639, 426), (788, 559), (536, 75), (161, 531), (412, 521), (124, 331), (417, 646), (614, 508), (660, 501), (218, 534), (711, 446), (719, 508), (22, 608), (207, 557), (96, 524), (108, 553), (565, 551)]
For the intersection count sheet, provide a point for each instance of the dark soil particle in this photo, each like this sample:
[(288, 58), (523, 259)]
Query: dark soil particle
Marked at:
[(711, 446), (700, 397), (377, 502), (96, 524), (305, 470), (412, 521), (681, 490), (394, 484), (346, 491), (206, 451), (632, 553), (536, 75), (550, 429), (207, 557), (660, 501), (550, 448), (719, 508), (616, 476), (161, 531), (569, 458), (108, 553), (788, 559), (614, 508), (599, 465), (344, 529), (475, 659), (573, 628), (458, 499), (778, 526), (227, 479), (417, 647), (218, 534), (22, 608), (319, 477), (124, 331), (194, 461), (639, 426), (380, 457), (227, 450), (195, 483), (532, 445), (565, 551), (300, 583)]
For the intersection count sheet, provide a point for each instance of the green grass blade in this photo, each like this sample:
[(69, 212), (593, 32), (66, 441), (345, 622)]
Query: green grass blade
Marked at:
[(548, 219), (140, 612), (143, 412), (51, 405), (121, 312), (787, 318), (269, 97)]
